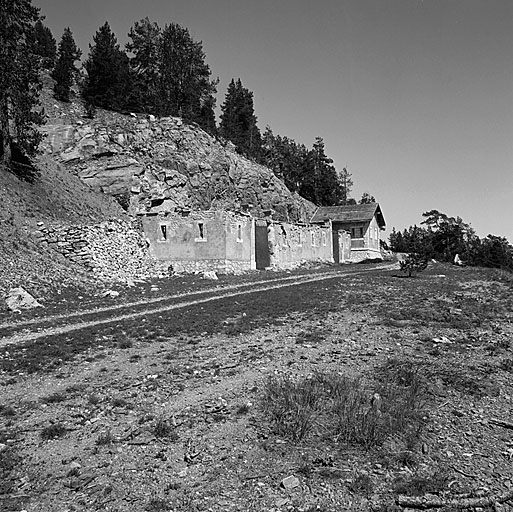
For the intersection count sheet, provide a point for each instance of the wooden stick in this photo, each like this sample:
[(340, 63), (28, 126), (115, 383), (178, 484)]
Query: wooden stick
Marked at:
[(500, 423)]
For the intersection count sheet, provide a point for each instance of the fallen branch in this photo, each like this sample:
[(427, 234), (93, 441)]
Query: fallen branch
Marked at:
[(500, 423), (425, 502), (461, 472)]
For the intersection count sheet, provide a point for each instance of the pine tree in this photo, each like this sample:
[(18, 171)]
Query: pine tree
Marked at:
[(185, 88), (19, 82), (346, 184), (108, 79), (65, 69), (325, 180), (44, 44), (238, 120), (207, 116), (367, 199), (145, 41)]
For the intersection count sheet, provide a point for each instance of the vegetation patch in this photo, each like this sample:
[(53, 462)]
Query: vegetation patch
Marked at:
[(418, 484), (347, 409), (53, 431)]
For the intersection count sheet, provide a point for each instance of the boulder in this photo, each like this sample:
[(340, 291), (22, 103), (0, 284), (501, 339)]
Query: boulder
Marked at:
[(19, 299)]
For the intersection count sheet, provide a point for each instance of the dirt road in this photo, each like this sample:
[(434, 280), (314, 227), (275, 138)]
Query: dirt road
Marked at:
[(16, 332)]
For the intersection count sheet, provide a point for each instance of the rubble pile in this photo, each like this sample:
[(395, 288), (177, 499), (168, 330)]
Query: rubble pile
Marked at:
[(114, 250), (163, 164)]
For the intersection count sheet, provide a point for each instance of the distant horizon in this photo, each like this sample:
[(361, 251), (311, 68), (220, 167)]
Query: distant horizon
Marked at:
[(415, 98)]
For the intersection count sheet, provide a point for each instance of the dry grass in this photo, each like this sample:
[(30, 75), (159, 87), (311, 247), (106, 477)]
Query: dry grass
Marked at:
[(53, 431), (347, 409), (418, 485)]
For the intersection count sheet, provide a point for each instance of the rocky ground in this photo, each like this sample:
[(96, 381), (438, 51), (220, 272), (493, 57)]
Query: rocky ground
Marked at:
[(237, 403)]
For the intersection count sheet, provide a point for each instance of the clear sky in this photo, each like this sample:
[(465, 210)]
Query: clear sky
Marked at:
[(415, 97)]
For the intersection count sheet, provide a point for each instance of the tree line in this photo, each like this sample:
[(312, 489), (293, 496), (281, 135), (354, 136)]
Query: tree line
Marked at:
[(441, 237), (161, 71)]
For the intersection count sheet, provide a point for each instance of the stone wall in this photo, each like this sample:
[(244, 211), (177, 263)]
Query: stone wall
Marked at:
[(292, 244), (114, 250), (221, 266), (358, 255)]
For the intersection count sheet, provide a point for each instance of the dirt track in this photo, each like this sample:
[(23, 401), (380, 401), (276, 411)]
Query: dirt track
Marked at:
[(166, 413), (170, 302)]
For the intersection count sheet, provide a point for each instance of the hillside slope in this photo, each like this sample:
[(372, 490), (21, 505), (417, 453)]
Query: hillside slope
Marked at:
[(163, 164), (57, 196), (147, 164)]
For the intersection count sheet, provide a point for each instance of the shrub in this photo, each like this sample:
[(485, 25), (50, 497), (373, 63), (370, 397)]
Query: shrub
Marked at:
[(361, 484), (7, 410), (418, 485), (120, 402), (54, 398), (157, 505), (292, 405), (164, 429), (414, 262), (53, 431), (105, 438), (346, 408)]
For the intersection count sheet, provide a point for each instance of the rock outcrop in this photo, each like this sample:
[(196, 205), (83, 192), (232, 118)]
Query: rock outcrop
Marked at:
[(166, 165)]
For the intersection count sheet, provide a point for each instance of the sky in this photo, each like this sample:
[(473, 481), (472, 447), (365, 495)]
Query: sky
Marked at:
[(414, 97)]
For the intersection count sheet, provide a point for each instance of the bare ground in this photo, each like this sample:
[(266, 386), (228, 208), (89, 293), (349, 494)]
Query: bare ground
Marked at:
[(165, 410)]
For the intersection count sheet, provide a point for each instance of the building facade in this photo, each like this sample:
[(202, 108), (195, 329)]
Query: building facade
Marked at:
[(202, 240), (363, 223)]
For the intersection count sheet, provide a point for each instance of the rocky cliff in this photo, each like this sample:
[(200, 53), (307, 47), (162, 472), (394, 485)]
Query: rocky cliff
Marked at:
[(166, 165)]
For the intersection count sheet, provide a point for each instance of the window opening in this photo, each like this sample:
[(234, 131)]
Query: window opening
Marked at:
[(163, 229), (239, 232), (201, 231)]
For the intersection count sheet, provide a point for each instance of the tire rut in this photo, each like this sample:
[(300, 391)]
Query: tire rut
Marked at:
[(237, 290)]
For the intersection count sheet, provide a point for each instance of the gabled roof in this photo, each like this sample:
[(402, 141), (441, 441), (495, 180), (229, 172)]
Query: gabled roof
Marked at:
[(350, 213)]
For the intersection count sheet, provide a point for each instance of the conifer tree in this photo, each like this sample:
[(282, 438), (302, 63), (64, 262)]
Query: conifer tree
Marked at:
[(144, 45), (325, 181), (346, 184), (19, 81), (367, 198), (238, 121), (186, 89), (107, 83), (65, 69), (44, 44)]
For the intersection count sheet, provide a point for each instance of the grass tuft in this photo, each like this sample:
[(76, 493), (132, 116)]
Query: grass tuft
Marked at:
[(361, 484), (53, 431), (54, 398), (419, 485), (7, 411), (163, 428), (105, 438), (341, 407), (158, 505)]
